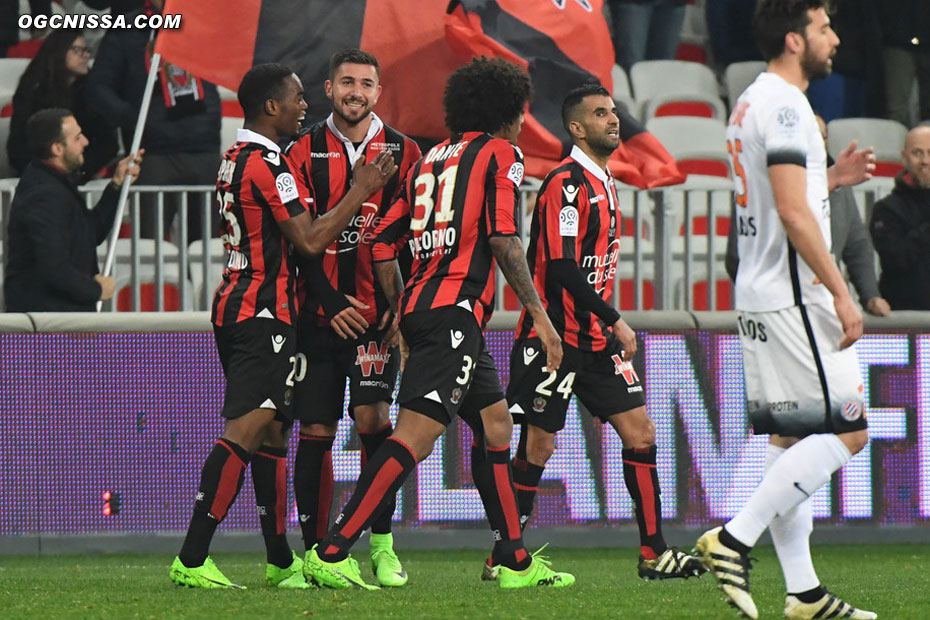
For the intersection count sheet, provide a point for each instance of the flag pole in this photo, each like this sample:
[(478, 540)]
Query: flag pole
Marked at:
[(127, 181)]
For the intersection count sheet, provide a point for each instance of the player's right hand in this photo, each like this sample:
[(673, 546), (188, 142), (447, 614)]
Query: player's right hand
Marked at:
[(349, 323), (373, 176), (107, 286), (850, 319), (551, 343), (627, 338)]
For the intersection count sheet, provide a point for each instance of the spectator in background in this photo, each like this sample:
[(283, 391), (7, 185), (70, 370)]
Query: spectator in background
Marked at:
[(646, 29), (182, 129), (855, 88), (900, 228), (56, 78), (905, 27), (729, 24), (9, 21), (52, 236), (849, 243)]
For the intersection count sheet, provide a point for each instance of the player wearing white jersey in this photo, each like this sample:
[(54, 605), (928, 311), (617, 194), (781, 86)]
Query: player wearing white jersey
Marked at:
[(797, 319)]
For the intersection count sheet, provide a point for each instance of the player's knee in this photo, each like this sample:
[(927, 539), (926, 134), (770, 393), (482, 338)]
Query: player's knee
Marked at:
[(371, 418), (318, 430)]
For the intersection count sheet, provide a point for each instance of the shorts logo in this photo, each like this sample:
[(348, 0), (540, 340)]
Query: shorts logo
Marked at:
[(288, 396), (539, 404), (277, 342), (529, 354), (287, 187), (626, 369), (568, 221), (374, 358), (457, 338), (851, 411), (456, 396)]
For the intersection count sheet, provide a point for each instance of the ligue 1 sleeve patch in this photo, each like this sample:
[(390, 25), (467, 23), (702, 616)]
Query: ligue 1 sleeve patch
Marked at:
[(287, 187), (568, 221), (515, 173)]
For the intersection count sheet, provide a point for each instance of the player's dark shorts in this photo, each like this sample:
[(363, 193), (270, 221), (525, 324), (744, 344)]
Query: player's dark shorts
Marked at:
[(449, 371), (258, 363), (601, 380), (370, 365)]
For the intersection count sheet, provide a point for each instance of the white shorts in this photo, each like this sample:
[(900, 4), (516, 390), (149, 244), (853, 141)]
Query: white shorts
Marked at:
[(798, 381)]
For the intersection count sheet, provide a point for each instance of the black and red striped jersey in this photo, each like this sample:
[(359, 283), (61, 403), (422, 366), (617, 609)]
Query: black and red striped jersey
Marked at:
[(255, 190), (577, 217), (461, 193), (323, 158)]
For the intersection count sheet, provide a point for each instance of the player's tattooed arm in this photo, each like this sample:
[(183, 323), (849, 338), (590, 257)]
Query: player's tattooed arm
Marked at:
[(388, 273), (509, 254)]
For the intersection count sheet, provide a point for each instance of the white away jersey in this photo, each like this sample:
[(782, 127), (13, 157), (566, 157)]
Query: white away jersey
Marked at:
[(772, 123)]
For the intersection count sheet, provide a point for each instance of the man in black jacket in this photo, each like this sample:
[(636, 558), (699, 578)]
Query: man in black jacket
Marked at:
[(182, 129), (900, 228), (52, 237)]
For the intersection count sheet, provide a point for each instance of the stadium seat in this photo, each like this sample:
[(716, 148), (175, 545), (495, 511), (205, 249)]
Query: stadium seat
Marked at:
[(10, 71), (886, 136), (652, 78), (700, 300), (622, 94), (229, 127), (697, 144), (738, 76), (6, 171), (691, 104), (691, 52), (122, 272), (215, 270)]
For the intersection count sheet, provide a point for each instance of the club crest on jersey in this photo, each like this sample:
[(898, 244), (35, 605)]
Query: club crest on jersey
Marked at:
[(456, 396), (539, 404), (568, 221), (287, 187), (851, 411), (374, 358), (515, 173)]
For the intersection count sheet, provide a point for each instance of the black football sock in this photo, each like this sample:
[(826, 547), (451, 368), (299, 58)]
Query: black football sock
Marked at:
[(377, 485), (269, 477), (526, 477), (728, 541), (642, 482), (370, 444), (810, 596), (313, 486), (220, 482), (491, 472)]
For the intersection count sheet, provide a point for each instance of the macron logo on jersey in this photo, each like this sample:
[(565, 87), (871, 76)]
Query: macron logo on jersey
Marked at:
[(457, 338), (570, 192)]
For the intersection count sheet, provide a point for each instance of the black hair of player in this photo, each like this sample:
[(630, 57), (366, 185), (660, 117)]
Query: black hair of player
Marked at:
[(43, 129), (485, 95), (574, 98), (352, 56), (258, 85), (774, 19)]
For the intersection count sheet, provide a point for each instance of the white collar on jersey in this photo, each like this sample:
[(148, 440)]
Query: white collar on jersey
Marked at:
[(247, 135), (355, 153), (588, 164)]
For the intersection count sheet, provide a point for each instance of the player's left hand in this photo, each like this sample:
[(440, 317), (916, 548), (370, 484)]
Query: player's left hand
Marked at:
[(853, 167), (627, 338), (392, 325), (349, 323), (128, 165)]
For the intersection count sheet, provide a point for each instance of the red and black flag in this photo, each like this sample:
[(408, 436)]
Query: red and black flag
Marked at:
[(562, 43)]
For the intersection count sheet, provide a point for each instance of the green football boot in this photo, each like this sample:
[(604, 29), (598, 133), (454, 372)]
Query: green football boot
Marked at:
[(384, 562), (290, 578), (205, 576), (337, 575)]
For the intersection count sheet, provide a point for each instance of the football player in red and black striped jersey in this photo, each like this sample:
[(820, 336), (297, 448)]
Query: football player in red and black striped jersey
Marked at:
[(346, 327), (457, 212), (253, 314), (573, 254)]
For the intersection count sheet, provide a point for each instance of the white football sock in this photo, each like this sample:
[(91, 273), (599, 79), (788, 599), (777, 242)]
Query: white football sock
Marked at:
[(791, 535), (794, 477)]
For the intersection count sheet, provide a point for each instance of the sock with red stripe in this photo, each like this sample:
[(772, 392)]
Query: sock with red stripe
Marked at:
[(377, 486), (220, 482), (491, 471), (269, 477), (313, 486), (642, 482), (370, 444), (526, 477)]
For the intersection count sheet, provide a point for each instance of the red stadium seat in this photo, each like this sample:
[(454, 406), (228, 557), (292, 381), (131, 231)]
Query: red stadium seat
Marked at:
[(627, 298), (710, 167), (691, 52), (887, 169), (685, 108), (723, 290), (147, 298)]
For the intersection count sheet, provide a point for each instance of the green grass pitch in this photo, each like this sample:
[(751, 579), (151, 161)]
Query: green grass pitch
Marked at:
[(889, 579)]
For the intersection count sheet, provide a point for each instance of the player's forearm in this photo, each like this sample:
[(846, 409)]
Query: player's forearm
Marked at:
[(804, 234), (509, 254), (328, 226), (388, 274)]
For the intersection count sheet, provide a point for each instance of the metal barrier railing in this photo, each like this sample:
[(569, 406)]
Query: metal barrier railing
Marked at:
[(674, 238)]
